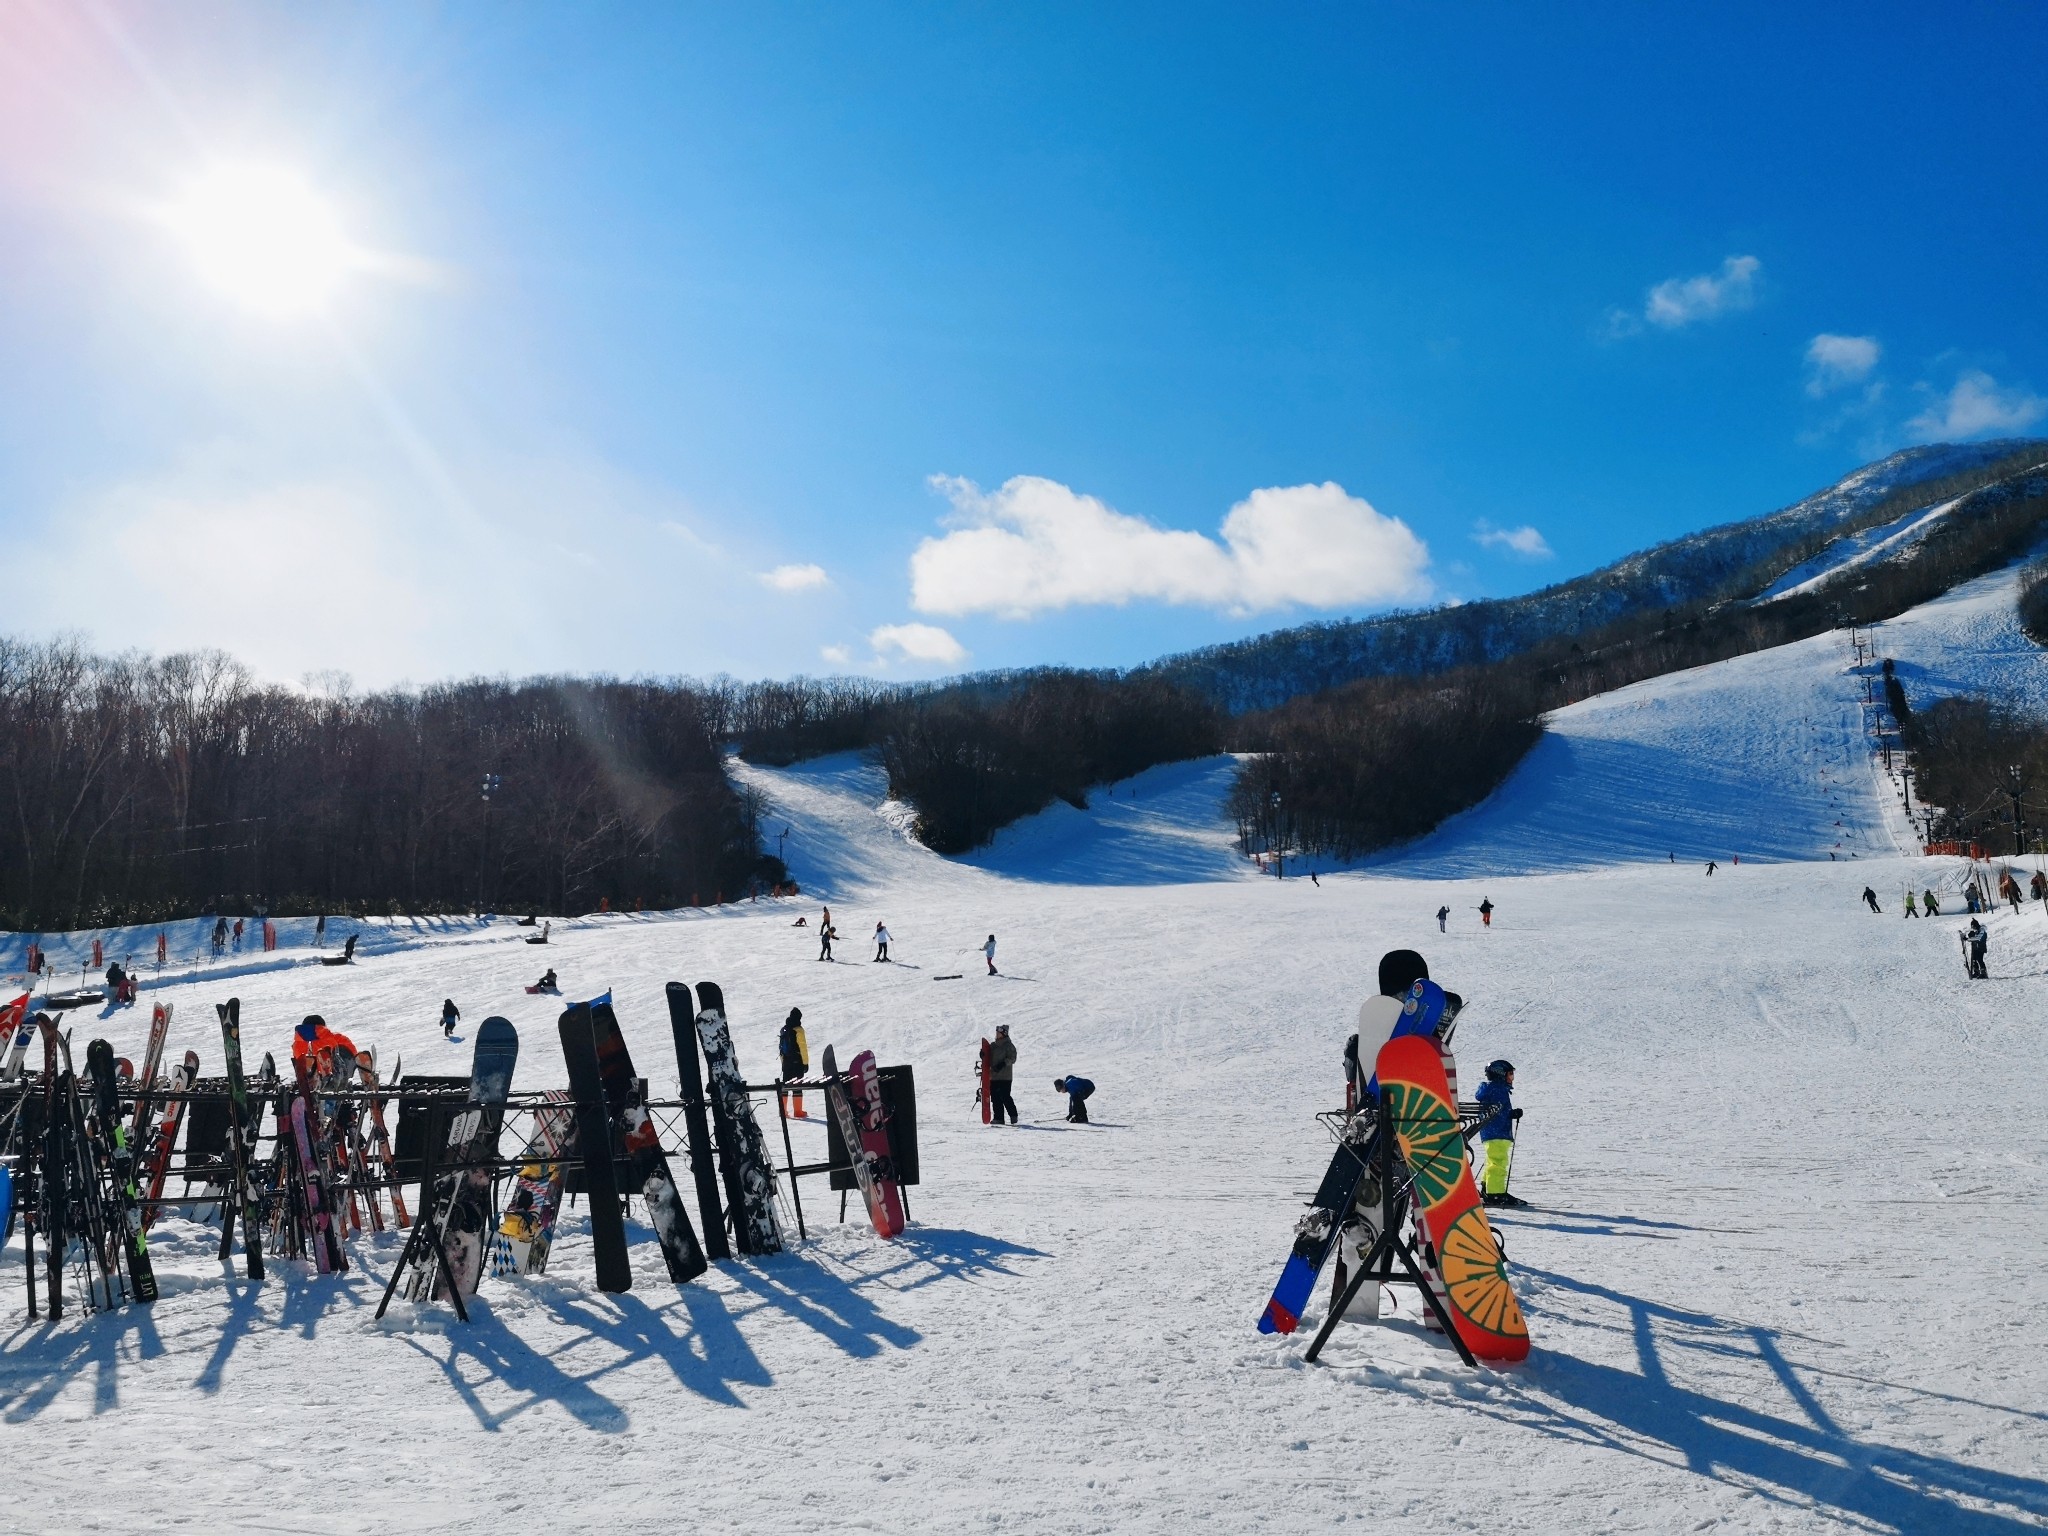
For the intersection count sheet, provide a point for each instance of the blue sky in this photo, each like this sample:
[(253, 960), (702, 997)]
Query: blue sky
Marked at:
[(906, 339)]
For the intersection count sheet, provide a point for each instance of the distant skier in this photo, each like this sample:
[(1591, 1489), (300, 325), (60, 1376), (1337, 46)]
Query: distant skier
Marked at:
[(1975, 942), (1443, 919), (2009, 889), (1870, 901), (1911, 910), (1002, 1066), (825, 936), (1486, 911), (1712, 866), (1497, 1132), (238, 935), (1931, 902), (796, 1058), (988, 953), (881, 944), (1312, 880), (320, 931), (450, 1017), (1077, 1090)]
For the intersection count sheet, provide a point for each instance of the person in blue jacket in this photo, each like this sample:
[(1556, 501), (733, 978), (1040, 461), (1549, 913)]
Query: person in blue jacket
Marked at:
[(1497, 1133), (1077, 1090)]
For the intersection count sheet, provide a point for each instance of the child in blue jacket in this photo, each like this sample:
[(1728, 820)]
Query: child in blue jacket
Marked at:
[(1497, 1133)]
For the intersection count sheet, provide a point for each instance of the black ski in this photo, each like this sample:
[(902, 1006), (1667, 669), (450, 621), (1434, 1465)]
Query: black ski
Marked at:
[(244, 1200), (99, 1061), (594, 1143), (682, 1016)]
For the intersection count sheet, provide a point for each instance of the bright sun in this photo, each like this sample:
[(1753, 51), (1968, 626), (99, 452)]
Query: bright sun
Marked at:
[(264, 237)]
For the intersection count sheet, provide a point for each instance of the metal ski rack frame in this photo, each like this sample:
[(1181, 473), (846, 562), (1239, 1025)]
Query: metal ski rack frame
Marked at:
[(1388, 1248)]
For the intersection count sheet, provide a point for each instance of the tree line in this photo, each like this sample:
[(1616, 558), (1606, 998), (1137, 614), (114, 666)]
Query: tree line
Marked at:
[(139, 788)]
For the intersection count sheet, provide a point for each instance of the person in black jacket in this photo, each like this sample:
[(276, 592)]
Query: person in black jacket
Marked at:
[(796, 1058), (450, 1016), (1002, 1066)]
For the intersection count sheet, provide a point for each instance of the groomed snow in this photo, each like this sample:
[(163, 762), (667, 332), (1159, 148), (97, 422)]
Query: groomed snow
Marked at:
[(1785, 1270)]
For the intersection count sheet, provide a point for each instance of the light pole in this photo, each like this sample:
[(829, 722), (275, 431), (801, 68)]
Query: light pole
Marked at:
[(1279, 841), (491, 784)]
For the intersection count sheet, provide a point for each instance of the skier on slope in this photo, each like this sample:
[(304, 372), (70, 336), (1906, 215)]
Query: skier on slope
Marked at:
[(1486, 910), (826, 934), (881, 944), (796, 1058), (1870, 901), (1497, 1132), (1002, 1066), (1077, 1090), (1931, 902), (988, 953), (1443, 919), (450, 1015), (1911, 911)]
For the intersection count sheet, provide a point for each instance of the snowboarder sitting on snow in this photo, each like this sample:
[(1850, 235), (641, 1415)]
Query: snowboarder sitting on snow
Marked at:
[(1077, 1090), (450, 1014), (1870, 900), (796, 1058), (1497, 1133), (1002, 1066), (547, 980)]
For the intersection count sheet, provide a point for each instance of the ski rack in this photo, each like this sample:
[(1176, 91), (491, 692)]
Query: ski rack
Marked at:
[(1387, 1248)]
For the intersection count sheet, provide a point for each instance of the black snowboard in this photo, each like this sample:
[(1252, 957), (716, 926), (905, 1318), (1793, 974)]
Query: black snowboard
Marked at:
[(682, 1015), (642, 1165), (593, 1142)]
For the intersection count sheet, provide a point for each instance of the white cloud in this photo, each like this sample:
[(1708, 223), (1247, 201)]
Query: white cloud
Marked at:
[(796, 578), (1834, 362), (1680, 301), (917, 642), (836, 655), (1034, 544), (1524, 541), (1977, 405)]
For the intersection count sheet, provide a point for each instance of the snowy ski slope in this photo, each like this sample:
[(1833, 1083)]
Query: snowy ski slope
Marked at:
[(1784, 1272)]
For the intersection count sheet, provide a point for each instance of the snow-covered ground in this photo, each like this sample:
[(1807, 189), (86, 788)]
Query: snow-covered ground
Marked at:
[(1783, 1272)]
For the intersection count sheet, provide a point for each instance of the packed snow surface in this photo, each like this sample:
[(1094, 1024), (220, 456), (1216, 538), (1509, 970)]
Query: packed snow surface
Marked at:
[(1784, 1268)]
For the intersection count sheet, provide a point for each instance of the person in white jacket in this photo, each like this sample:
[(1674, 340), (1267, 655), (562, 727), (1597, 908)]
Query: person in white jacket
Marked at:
[(881, 943), (988, 953)]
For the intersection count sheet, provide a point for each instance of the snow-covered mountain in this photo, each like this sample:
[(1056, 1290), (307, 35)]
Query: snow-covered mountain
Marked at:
[(1268, 669)]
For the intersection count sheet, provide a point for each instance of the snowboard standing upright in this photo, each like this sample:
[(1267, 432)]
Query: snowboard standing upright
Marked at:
[(526, 1233), (856, 1101), (594, 1144), (982, 1095), (120, 1157), (750, 1178), (643, 1165), (682, 1017), (462, 1195), (1425, 1123)]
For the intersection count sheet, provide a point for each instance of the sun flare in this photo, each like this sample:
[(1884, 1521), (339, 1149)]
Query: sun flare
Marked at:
[(263, 237)]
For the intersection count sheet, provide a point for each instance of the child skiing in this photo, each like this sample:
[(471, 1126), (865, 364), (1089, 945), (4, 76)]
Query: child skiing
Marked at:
[(1931, 903), (796, 1059), (1497, 1133), (449, 1015), (1077, 1090)]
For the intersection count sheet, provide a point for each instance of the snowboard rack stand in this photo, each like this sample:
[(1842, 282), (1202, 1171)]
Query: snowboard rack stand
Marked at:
[(1379, 1261)]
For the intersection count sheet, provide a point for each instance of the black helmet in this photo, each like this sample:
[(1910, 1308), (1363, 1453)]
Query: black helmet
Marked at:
[(1499, 1071), (1400, 969)]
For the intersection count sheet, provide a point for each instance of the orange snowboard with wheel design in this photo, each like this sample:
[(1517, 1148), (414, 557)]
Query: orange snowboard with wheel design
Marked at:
[(1483, 1305)]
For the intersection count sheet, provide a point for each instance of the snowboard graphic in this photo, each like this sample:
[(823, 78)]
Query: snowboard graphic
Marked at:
[(1425, 1123), (749, 1170), (853, 1102), (527, 1230)]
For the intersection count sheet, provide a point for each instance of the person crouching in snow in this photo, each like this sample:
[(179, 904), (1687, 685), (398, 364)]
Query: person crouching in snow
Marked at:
[(1077, 1090), (1497, 1133)]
